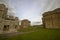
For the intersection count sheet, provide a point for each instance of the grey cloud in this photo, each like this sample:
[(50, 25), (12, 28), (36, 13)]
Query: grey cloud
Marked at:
[(11, 9)]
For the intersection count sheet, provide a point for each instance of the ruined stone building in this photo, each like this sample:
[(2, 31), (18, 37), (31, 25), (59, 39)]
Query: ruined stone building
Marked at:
[(25, 23), (8, 24), (51, 19)]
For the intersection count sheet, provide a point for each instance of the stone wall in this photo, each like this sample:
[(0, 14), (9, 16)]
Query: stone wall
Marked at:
[(25, 23), (3, 10), (51, 19), (8, 24)]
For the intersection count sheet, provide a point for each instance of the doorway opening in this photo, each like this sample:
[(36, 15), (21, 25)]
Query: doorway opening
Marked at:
[(6, 28)]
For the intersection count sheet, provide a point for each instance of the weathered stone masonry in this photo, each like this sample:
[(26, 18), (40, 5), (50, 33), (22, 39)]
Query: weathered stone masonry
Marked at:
[(25, 23), (8, 23), (51, 19)]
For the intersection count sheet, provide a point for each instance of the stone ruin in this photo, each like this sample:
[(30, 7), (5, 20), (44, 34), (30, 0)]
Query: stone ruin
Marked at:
[(8, 24), (25, 23), (51, 19)]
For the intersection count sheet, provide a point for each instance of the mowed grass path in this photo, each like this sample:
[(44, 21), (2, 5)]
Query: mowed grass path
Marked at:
[(41, 34)]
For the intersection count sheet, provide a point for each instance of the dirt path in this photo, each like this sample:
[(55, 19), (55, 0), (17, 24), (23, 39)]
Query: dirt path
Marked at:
[(13, 34)]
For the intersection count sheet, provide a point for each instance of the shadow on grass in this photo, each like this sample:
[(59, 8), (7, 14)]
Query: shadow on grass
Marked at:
[(17, 37)]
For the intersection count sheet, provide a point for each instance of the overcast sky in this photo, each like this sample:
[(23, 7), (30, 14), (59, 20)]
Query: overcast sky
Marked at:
[(30, 9)]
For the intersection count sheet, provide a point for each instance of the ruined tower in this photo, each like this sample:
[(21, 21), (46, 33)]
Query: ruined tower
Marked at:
[(8, 23), (51, 19), (3, 11), (25, 23)]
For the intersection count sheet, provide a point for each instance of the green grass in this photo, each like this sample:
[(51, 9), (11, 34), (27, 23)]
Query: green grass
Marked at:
[(27, 29), (41, 34)]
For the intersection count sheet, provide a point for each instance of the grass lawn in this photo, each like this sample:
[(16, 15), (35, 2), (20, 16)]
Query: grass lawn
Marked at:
[(28, 29), (41, 34)]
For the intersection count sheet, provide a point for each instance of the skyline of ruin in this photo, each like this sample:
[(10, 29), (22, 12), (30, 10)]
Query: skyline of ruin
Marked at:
[(30, 9)]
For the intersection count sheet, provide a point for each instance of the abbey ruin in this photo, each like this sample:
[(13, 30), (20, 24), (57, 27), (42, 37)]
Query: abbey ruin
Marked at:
[(8, 23), (51, 19)]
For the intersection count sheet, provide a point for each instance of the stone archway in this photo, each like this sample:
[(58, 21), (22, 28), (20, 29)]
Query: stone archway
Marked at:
[(6, 28)]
